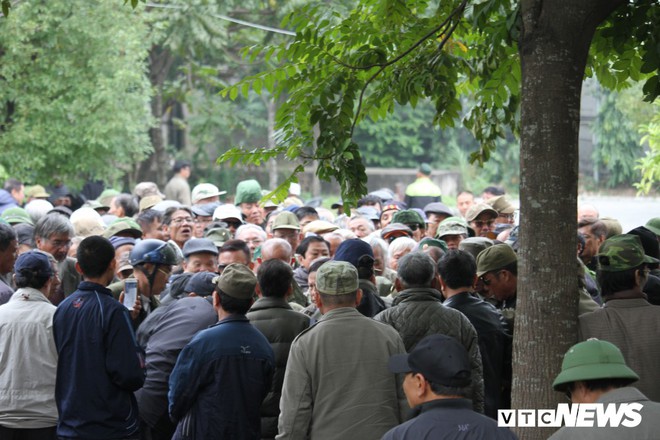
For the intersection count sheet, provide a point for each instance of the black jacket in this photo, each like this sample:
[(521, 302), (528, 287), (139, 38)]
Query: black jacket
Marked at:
[(494, 345), (371, 303)]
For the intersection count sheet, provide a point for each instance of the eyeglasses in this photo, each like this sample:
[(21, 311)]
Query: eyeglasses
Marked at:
[(181, 220), (256, 241), (235, 224), (482, 223), (507, 216)]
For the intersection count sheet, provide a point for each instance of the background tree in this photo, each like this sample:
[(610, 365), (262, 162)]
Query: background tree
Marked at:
[(73, 97)]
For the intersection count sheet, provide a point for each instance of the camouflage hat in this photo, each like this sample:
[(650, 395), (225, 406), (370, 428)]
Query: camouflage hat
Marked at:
[(36, 192), (501, 204), (237, 281), (218, 236), (124, 225), (452, 226), (286, 220), (478, 209), (474, 245), (337, 278), (590, 360), (17, 215), (622, 252), (408, 217), (107, 195), (247, 191), (494, 258), (653, 225)]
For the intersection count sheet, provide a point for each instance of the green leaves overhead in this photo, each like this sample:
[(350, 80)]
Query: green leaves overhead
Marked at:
[(341, 68)]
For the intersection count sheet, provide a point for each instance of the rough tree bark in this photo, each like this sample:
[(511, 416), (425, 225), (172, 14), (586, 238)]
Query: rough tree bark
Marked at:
[(556, 35)]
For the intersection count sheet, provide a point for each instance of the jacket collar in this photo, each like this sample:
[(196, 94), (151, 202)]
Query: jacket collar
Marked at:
[(88, 286), (417, 294), (29, 294), (341, 311), (623, 395), (268, 302), (626, 303), (457, 403), (460, 298), (236, 317)]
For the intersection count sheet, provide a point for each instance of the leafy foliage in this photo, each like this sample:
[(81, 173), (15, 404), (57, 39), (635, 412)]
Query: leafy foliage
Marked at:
[(74, 96), (617, 147), (649, 165)]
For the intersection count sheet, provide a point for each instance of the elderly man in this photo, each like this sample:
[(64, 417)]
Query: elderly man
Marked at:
[(413, 220), (464, 201), (481, 218), (251, 234), (417, 311), (178, 223), (231, 359), (248, 195), (286, 226), (595, 371), (27, 352), (323, 395), (361, 226), (230, 215), (497, 269), (452, 230), (52, 234), (437, 386), (275, 318), (627, 319), (436, 212), (594, 232)]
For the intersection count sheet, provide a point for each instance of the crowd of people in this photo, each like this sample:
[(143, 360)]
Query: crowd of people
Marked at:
[(175, 315)]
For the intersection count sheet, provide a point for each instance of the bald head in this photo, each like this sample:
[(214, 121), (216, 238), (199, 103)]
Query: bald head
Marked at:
[(276, 249)]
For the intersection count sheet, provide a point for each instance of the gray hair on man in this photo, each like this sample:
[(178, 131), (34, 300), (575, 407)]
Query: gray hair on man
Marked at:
[(53, 224), (276, 248), (416, 269)]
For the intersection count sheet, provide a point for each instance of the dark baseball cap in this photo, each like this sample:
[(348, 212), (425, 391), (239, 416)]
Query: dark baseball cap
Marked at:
[(199, 246), (439, 358), (354, 251), (201, 283), (33, 261)]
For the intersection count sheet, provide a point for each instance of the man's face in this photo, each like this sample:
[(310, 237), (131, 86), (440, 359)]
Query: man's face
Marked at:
[(591, 243), (202, 261), (56, 280), (160, 279), (181, 227), (418, 231), (253, 213), (230, 257), (8, 257), (18, 194), (464, 202), (505, 219), (360, 227), (483, 225), (290, 235), (394, 259), (185, 172), (156, 230), (201, 221), (499, 284), (452, 240), (386, 217), (379, 261), (434, 220), (57, 245), (252, 238), (314, 250)]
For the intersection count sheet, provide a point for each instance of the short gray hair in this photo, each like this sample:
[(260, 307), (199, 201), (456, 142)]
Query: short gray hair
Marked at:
[(53, 224), (416, 269), (272, 245), (251, 227)]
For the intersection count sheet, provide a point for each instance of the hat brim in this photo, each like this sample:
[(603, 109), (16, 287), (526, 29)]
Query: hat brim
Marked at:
[(592, 372), (650, 260), (398, 363)]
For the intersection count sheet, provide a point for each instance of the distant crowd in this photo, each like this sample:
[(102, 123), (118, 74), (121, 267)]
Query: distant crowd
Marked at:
[(173, 314)]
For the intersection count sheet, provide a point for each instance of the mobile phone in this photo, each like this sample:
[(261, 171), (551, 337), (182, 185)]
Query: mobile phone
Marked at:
[(130, 292)]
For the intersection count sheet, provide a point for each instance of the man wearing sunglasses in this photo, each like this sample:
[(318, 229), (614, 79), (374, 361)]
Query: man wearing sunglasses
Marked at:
[(413, 220), (497, 268), (482, 219)]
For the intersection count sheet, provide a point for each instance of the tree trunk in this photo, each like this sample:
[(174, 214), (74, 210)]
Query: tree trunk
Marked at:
[(553, 49)]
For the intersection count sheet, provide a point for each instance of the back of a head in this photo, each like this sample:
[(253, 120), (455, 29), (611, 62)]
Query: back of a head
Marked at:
[(276, 248), (274, 277), (360, 254), (32, 269), (457, 269), (416, 269), (305, 211), (94, 254), (128, 203)]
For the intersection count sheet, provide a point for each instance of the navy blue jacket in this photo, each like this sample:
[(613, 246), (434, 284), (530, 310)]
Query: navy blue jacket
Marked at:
[(99, 366), (448, 419), (219, 381)]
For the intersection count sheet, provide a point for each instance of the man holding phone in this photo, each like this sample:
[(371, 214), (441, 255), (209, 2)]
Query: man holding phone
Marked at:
[(100, 363)]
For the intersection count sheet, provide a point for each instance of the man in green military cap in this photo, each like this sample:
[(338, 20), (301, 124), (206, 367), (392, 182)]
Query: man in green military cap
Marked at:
[(595, 371), (248, 195), (653, 225), (323, 395), (497, 269), (452, 231), (413, 220), (627, 319)]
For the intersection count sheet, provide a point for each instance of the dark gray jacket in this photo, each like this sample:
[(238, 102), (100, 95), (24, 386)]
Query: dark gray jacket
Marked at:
[(280, 324), (418, 312)]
